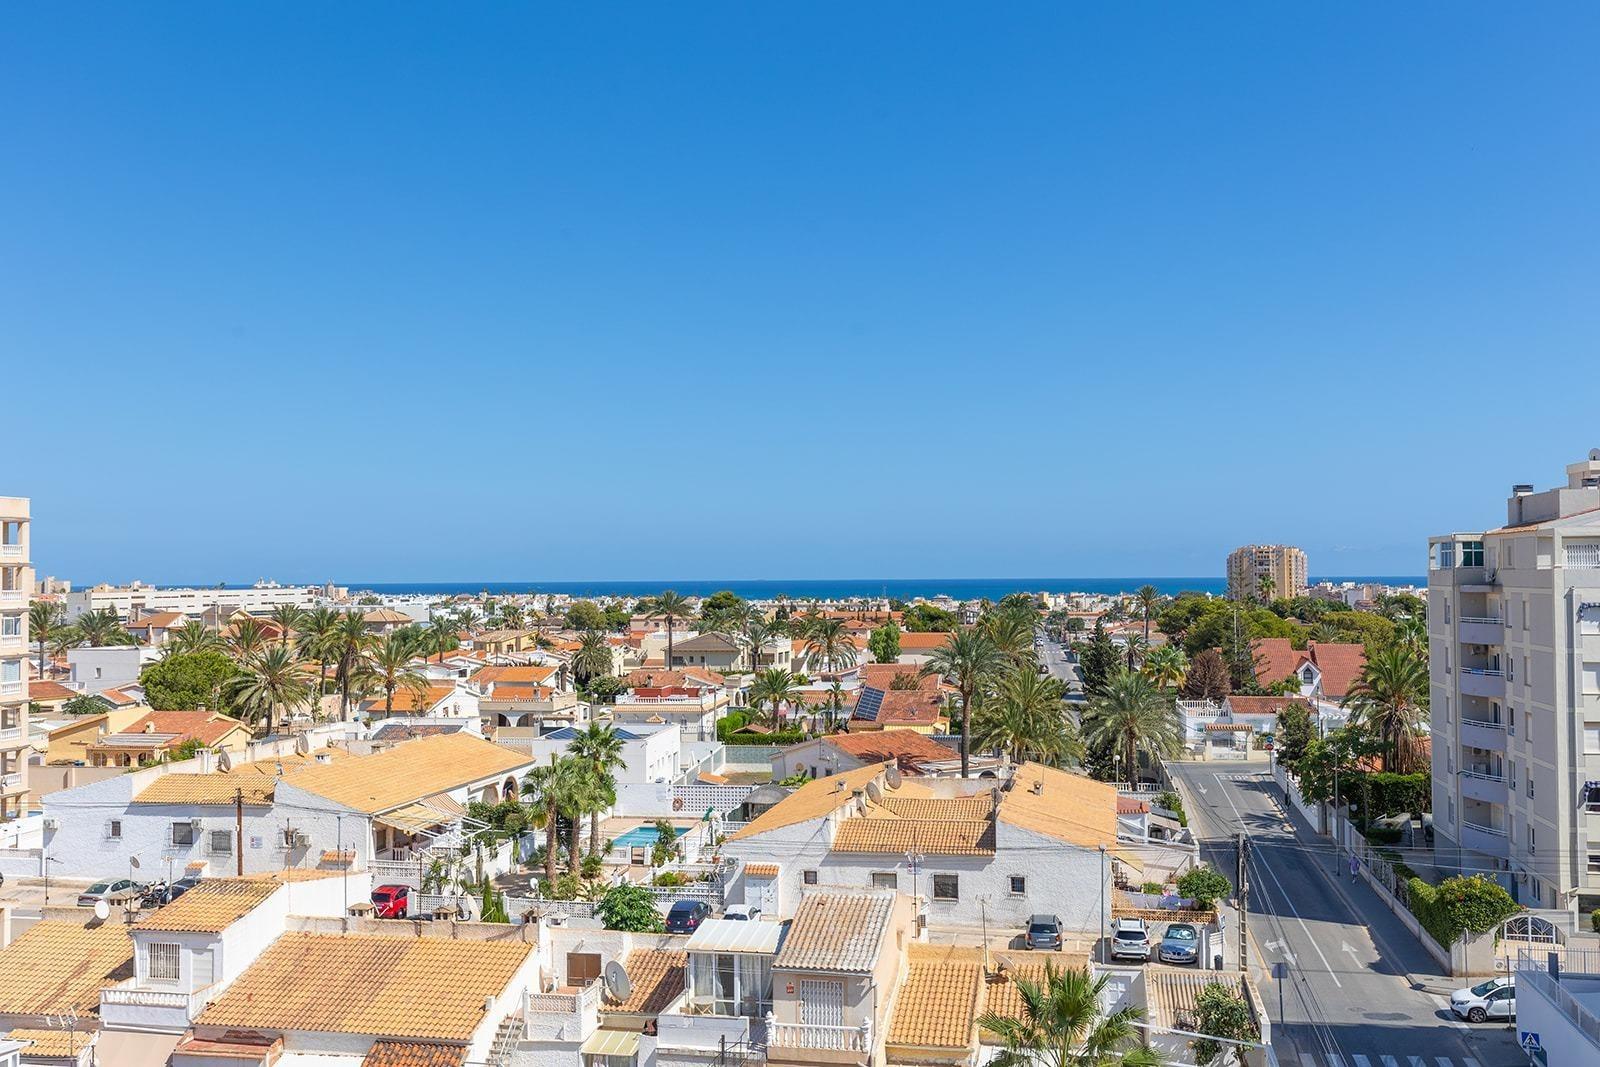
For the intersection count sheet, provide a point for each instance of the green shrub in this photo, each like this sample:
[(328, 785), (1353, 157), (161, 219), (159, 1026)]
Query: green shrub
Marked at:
[(787, 737), (1594, 921), (629, 907), (1173, 803), (1464, 904), (1204, 885), (1151, 887), (1384, 835)]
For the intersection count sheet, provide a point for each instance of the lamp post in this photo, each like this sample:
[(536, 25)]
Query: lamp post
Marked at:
[(1101, 946)]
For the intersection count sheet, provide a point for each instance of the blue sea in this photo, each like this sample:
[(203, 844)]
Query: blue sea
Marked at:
[(844, 588)]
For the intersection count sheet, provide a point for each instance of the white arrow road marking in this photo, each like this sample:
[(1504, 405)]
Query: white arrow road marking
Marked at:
[(1275, 945), (1360, 1060), (1344, 946), (1415, 1061), (1389, 1061)]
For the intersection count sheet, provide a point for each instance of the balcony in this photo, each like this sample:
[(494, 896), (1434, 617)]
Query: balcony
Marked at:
[(1481, 630), (1581, 556), (814, 1037), (1484, 785), (12, 784), (126, 1006), (1487, 682), (564, 1016), (13, 550), (1485, 839), (1484, 734), (13, 597)]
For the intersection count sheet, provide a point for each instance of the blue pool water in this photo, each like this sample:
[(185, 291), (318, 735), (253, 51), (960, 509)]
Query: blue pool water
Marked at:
[(641, 837)]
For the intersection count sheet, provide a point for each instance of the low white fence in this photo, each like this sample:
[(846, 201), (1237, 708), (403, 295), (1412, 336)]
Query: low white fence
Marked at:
[(1313, 812)]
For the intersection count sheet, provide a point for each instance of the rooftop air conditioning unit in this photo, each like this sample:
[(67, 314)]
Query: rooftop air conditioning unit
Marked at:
[(195, 824), (301, 840)]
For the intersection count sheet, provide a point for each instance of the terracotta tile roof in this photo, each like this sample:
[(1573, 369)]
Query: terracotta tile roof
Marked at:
[(1171, 991), (904, 707), (414, 1054), (118, 698), (907, 748), (160, 620), (882, 675), (836, 932), (937, 1007), (1068, 807), (406, 700), (812, 800), (386, 615), (525, 675), (935, 837), (661, 678), (410, 771), (210, 907), (509, 692), (923, 642), (1275, 659), (1245, 705), (51, 1044), (55, 966), (383, 986), (257, 780), (43, 692), (761, 870), (1228, 728), (1340, 664), (1000, 992), (656, 976), (207, 727), (1131, 806), (911, 807)]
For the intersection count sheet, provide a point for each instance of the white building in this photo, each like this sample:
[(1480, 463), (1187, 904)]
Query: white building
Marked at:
[(16, 581), (649, 754), (130, 601), (1514, 638), (94, 669)]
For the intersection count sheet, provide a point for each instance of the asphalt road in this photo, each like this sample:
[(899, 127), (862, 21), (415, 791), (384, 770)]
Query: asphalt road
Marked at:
[(1054, 657), (1361, 991)]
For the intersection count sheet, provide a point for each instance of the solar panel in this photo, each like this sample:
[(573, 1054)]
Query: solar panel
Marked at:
[(869, 704)]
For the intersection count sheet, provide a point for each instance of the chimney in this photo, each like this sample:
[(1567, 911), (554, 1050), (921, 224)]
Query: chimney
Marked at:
[(5, 925)]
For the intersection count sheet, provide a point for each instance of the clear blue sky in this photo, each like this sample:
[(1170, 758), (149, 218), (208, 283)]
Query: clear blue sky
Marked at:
[(463, 292)]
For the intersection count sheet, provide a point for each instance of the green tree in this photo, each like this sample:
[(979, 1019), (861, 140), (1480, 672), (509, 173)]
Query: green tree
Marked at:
[(100, 628), (1149, 600), (1062, 1024), (775, 687), (1208, 677), (1167, 666), (1204, 885), (884, 643), (1390, 702), (270, 681), (630, 906), (1026, 718), (182, 681), (1136, 717), (1221, 1012), (85, 705), (493, 905), (829, 647), (1099, 660), (389, 661), (925, 618), (1294, 733), (548, 790), (598, 748), (672, 608), (348, 642), (605, 688), (723, 612), (317, 641), (440, 636), (288, 618), (585, 615), (593, 657), (970, 660), (44, 622), (193, 636)]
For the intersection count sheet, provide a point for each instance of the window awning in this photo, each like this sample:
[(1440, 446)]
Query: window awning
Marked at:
[(611, 1043), (436, 810)]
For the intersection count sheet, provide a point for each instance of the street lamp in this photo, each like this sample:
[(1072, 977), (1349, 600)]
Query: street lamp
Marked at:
[(1101, 946)]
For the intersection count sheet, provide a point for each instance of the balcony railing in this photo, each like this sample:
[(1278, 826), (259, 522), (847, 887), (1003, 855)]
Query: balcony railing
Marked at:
[(1491, 620), (1483, 829), (11, 550), (12, 783), (1488, 776), (817, 1036), (1484, 724), (564, 1003), (1532, 971), (1484, 672), (1582, 557)]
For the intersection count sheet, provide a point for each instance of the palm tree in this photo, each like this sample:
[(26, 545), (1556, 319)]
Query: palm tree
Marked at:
[(440, 636), (1166, 666), (1012, 633), (247, 640), (1026, 718), (389, 659), (1265, 586), (547, 789), (1326, 633), (193, 636), (1134, 716), (1412, 632), (513, 615), (672, 607), (99, 628), (599, 749), (775, 686), (754, 635), (287, 617), (970, 660), (271, 680), (1063, 1025), (1148, 598), (829, 647), (593, 657), (1390, 701), (348, 641), (44, 619), (1133, 651), (318, 641)]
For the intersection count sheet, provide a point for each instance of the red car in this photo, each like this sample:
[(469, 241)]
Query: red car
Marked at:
[(391, 901)]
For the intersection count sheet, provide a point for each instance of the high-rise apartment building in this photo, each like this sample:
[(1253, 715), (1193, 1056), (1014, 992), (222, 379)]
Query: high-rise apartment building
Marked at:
[(1514, 646), (1266, 572), (16, 586)]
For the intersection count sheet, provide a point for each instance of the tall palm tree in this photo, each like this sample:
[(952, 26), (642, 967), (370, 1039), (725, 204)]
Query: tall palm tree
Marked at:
[(775, 686), (1412, 632), (1026, 718), (1390, 701), (1133, 650), (271, 680), (829, 646), (1062, 1024), (194, 636), (288, 618), (674, 608), (547, 790), (348, 642), (440, 636), (1166, 666), (970, 660), (599, 749), (593, 657), (44, 619), (753, 636), (389, 659), (1265, 587), (318, 641), (101, 627), (1012, 633), (1134, 716), (1148, 597), (513, 615), (247, 640)]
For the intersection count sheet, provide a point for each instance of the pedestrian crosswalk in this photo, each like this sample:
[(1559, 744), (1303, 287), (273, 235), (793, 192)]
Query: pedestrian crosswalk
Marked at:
[(1361, 1059)]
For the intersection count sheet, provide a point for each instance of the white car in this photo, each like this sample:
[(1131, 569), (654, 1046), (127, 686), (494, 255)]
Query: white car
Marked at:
[(1130, 940), (1494, 999)]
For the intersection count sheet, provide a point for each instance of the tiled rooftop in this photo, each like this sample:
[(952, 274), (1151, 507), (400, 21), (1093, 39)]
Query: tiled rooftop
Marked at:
[(58, 966), (836, 932), (210, 907)]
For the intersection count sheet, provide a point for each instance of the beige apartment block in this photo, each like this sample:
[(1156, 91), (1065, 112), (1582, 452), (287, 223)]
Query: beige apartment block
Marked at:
[(16, 586), (1253, 567), (1514, 644)]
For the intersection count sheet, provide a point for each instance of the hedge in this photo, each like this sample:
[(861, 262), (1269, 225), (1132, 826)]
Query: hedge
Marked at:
[(1464, 904), (787, 737)]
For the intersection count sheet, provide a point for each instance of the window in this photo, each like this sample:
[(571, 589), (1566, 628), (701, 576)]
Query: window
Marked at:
[(114, 830), (809, 877), (1511, 721), (1591, 740), (1591, 678), (221, 842), (182, 834), (885, 880), (11, 626), (1447, 612), (946, 887), (1019, 885), (1533, 840), (1594, 863), (11, 670), (1447, 555), (1472, 553), (162, 961), (1530, 783)]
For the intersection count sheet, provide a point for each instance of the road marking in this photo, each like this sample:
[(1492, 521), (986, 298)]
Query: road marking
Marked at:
[(1288, 902), (1443, 1061), (1389, 1061), (1334, 1060), (1361, 1061), (1469, 1061), (1415, 1061)]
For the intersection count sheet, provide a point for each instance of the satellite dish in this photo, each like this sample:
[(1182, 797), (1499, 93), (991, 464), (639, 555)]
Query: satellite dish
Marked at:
[(133, 861), (224, 760), (102, 910), (892, 776), (618, 985), (301, 745), (874, 794)]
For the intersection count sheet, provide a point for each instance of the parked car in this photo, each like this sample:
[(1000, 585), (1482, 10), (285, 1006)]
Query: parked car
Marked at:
[(742, 912), (105, 891), (1180, 944), (391, 901), (1493, 999), (178, 889), (686, 916), (1130, 940), (1044, 932)]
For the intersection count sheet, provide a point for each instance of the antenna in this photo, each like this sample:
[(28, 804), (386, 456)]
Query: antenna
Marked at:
[(224, 760), (874, 794), (102, 910), (892, 776), (618, 985), (302, 745)]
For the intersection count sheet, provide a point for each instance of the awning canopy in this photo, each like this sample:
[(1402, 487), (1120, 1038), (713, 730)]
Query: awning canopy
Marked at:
[(436, 810), (611, 1043)]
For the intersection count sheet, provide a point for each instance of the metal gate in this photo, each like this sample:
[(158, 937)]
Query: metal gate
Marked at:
[(821, 1002), (1529, 928)]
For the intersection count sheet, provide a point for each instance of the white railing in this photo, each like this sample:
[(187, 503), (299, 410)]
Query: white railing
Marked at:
[(817, 1036), (1532, 972), (10, 551), (13, 596), (692, 702), (564, 1003), (1485, 724), (1483, 829), (1485, 775), (11, 783), (1492, 620), (1582, 556), (1486, 672), (10, 734), (10, 688)]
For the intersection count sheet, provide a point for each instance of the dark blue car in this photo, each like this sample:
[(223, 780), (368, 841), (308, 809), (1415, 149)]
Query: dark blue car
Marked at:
[(686, 916)]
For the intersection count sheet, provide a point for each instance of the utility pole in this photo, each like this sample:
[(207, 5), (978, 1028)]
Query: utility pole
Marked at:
[(1102, 942), (1244, 900), (238, 828)]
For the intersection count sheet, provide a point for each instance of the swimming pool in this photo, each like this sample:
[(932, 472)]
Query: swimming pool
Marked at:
[(642, 837)]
